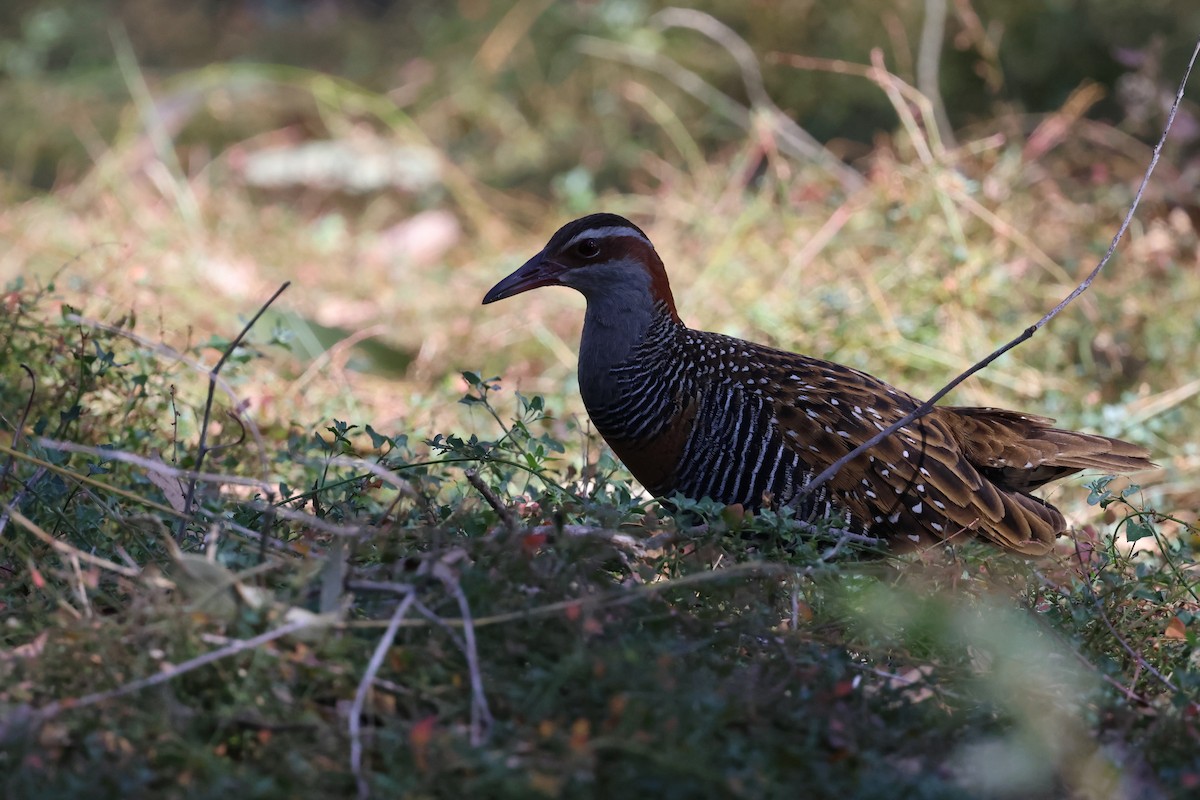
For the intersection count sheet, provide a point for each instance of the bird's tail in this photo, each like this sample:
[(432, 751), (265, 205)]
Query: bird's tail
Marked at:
[(1020, 452)]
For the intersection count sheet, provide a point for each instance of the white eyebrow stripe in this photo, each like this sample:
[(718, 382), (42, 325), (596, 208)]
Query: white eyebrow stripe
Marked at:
[(610, 232)]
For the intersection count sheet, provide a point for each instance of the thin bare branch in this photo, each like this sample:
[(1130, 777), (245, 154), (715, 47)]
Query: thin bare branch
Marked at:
[(152, 465), (314, 522), (617, 597), (237, 646), (929, 60), (800, 141), (506, 515), (364, 686), (85, 480), (927, 406), (172, 354), (391, 587), (481, 715), (202, 448), (1138, 658), (66, 549)]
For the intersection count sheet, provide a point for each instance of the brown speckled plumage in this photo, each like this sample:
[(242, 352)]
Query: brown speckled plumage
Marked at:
[(707, 415)]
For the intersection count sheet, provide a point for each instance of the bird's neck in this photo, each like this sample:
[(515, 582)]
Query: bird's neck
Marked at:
[(614, 326)]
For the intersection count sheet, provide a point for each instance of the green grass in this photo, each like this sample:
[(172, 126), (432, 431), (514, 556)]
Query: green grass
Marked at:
[(563, 635)]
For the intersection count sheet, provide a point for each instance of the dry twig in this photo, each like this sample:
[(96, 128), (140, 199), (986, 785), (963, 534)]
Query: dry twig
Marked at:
[(927, 406), (794, 138), (506, 515), (364, 686), (481, 715), (66, 549), (237, 646), (202, 449)]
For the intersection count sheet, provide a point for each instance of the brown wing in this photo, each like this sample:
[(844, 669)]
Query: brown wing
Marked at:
[(930, 480)]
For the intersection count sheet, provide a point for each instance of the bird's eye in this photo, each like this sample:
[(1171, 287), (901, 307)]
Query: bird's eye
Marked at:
[(588, 248)]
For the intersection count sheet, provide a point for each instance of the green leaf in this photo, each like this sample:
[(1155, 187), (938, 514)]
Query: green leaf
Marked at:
[(1138, 528), (378, 440), (1099, 493)]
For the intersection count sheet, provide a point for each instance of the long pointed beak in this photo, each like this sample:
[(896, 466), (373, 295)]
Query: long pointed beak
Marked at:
[(533, 273)]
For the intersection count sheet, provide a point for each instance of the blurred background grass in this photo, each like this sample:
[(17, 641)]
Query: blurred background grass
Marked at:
[(166, 165), (393, 159)]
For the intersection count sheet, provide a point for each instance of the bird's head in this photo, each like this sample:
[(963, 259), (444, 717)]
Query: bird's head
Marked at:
[(603, 256)]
